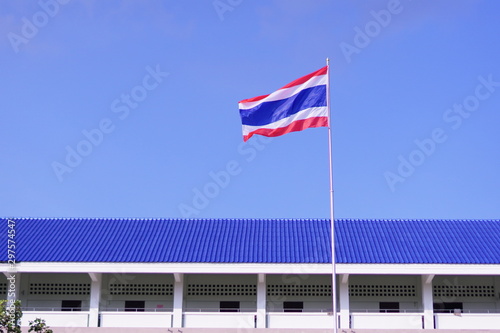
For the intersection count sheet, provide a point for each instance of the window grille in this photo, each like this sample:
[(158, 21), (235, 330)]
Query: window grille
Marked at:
[(3, 288), (221, 290), (59, 289), (299, 290), (147, 289), (463, 291), (361, 290)]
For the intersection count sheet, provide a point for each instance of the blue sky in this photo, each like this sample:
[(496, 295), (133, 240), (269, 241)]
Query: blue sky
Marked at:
[(129, 108)]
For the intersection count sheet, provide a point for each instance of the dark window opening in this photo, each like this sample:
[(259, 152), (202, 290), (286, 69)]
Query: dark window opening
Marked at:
[(71, 306), (293, 306), (448, 307), (229, 306), (392, 307), (136, 306)]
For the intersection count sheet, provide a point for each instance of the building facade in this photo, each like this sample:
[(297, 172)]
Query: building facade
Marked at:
[(255, 273)]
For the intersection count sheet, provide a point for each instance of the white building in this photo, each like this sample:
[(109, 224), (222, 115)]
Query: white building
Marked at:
[(255, 273)]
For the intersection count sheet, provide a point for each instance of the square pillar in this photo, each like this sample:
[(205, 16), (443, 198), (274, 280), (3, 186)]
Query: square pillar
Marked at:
[(344, 301), (178, 299), (13, 285), (261, 300), (95, 298), (428, 301)]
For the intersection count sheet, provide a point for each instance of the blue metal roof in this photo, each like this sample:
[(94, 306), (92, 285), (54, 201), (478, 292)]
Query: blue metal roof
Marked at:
[(253, 240)]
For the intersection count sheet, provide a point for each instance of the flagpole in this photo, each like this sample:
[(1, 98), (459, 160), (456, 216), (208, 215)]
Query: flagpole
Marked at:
[(332, 220)]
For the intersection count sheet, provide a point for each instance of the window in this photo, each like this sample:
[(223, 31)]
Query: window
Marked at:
[(136, 306), (464, 291), (229, 306), (3, 288), (71, 306), (141, 289), (382, 290), (59, 289), (221, 290), (293, 306), (448, 307), (299, 290), (389, 306)]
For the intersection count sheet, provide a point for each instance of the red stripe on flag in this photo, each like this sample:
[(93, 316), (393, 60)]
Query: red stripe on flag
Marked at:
[(321, 71), (303, 79), (253, 99), (296, 126)]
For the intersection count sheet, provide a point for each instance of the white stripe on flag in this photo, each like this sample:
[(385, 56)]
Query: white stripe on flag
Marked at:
[(287, 92)]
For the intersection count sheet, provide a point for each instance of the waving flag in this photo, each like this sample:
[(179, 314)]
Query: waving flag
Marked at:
[(299, 105)]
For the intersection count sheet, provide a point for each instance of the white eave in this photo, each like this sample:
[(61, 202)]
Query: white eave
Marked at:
[(254, 268)]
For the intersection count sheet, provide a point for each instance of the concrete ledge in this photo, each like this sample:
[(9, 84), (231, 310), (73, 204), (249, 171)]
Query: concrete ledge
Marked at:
[(249, 330)]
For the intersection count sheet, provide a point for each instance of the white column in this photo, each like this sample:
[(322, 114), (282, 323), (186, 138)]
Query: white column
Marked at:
[(18, 286), (178, 299), (95, 298), (261, 300), (13, 285), (344, 301), (428, 301)]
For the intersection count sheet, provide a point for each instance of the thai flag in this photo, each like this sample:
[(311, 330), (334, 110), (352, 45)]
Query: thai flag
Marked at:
[(299, 105)]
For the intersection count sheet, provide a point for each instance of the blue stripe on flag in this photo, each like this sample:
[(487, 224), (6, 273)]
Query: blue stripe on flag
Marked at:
[(269, 112)]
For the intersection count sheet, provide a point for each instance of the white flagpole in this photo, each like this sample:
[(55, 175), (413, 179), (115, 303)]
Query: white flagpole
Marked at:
[(332, 220)]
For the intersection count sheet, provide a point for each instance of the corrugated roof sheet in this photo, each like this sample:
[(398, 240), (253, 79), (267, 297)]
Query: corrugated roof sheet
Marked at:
[(253, 240)]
